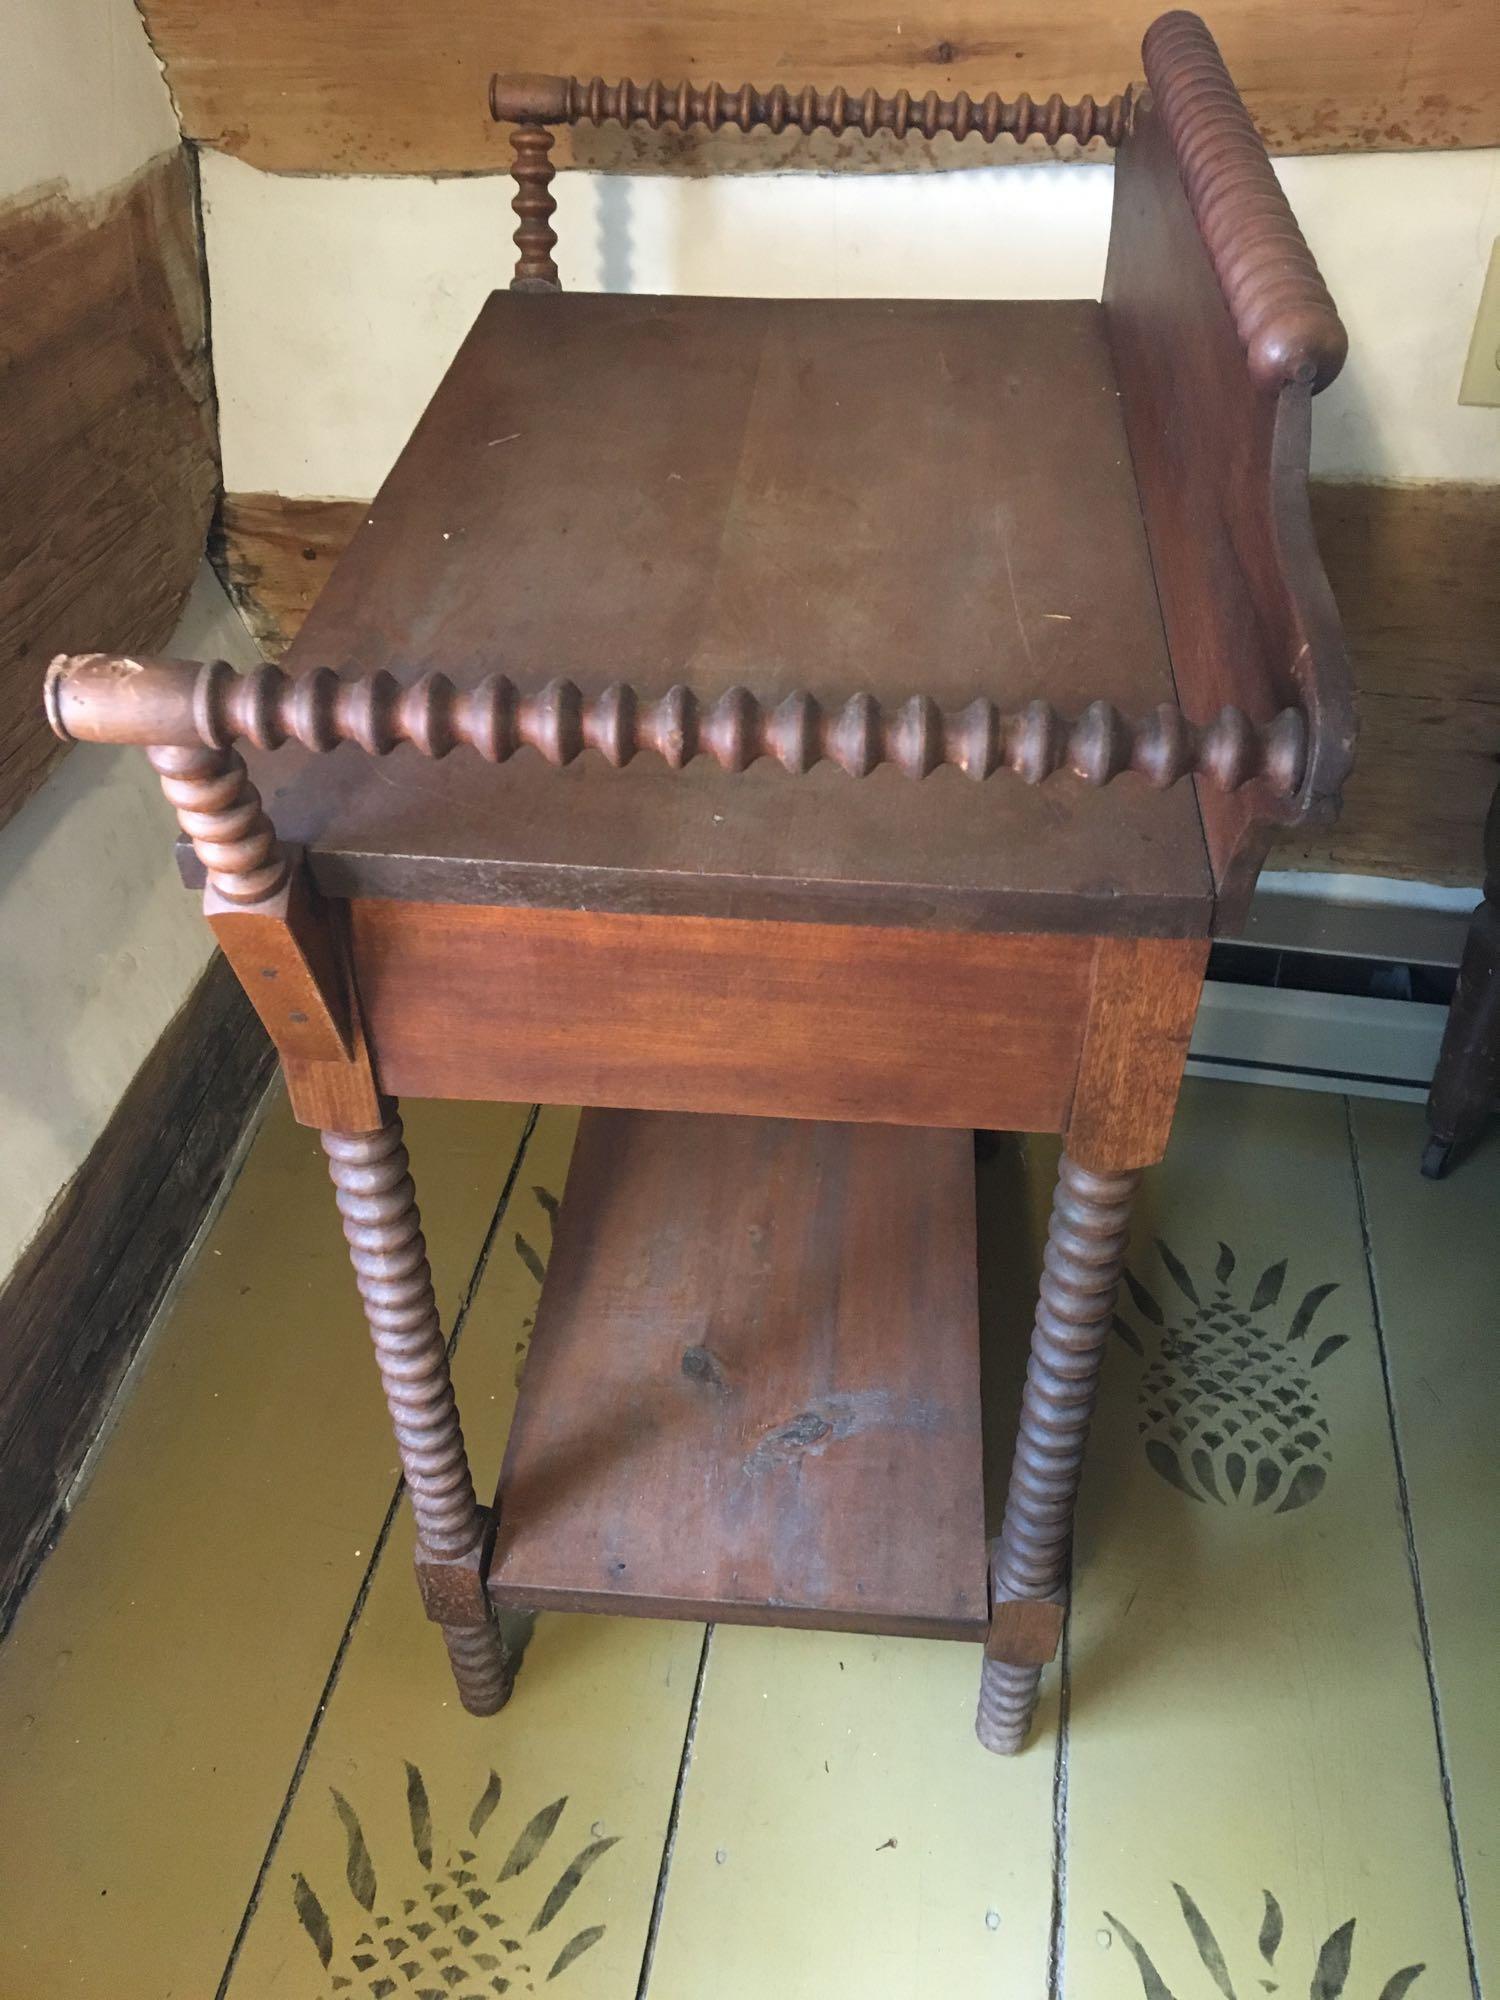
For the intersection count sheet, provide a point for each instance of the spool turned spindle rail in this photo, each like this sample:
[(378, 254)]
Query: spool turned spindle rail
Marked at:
[(97, 697), (569, 100), (532, 103)]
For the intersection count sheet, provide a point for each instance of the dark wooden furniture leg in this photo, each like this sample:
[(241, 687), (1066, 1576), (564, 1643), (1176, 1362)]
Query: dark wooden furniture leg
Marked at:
[(535, 238), (1467, 1078), (378, 1204), (1086, 1241)]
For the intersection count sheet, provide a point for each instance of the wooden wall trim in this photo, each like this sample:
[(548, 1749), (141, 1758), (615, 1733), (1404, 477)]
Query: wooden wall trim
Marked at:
[(76, 1306), (381, 86), (273, 556), (1416, 574), (111, 458)]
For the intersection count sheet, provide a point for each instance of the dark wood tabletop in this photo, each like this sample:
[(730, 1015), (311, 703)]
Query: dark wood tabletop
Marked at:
[(835, 495)]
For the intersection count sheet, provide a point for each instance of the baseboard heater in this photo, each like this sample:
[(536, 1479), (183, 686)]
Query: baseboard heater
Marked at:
[(1332, 995)]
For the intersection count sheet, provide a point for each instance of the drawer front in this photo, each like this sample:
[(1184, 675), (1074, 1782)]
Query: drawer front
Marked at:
[(710, 1014)]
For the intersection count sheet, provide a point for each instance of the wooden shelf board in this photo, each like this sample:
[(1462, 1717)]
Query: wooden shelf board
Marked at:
[(753, 1387)]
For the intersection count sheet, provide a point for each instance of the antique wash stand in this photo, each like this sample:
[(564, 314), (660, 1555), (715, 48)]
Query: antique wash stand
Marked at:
[(676, 566)]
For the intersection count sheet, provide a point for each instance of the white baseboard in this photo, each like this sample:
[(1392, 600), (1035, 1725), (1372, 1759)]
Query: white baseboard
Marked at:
[(1316, 1041)]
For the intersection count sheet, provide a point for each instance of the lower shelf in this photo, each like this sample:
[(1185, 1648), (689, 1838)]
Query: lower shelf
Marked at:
[(753, 1387)]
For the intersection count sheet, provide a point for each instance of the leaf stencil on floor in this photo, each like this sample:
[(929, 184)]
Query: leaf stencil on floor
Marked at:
[(1229, 1410), (1330, 1975), (438, 1930)]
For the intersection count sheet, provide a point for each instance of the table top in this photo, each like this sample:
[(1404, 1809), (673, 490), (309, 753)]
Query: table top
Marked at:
[(834, 495)]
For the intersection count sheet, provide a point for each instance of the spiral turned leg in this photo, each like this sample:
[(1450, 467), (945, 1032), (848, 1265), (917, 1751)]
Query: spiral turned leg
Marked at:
[(535, 238), (1086, 1242), (219, 810), (384, 1231)]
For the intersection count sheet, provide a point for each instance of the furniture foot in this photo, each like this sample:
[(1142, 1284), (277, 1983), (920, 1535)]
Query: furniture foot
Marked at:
[(1007, 1698), (1467, 1078), (1086, 1242), (377, 1201), (482, 1669)]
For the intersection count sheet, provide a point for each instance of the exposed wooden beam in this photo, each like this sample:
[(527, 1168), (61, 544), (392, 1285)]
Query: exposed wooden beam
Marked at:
[(380, 86), (111, 460), (273, 556)]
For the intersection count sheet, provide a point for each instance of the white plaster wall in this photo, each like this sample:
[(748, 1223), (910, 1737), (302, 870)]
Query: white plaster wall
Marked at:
[(99, 946), (102, 944), (82, 99), (338, 302)]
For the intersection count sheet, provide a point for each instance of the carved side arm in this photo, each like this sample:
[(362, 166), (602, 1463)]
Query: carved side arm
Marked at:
[(1222, 332), (1282, 311)]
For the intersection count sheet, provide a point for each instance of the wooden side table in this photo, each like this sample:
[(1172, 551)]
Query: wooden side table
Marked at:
[(792, 929)]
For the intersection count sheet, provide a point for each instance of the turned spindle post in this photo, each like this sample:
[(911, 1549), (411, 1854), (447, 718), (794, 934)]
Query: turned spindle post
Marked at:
[(219, 810), (377, 1201), (535, 238), (283, 944), (1086, 1243)]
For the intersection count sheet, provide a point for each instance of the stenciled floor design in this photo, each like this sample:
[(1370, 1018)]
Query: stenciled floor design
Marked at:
[(235, 1767)]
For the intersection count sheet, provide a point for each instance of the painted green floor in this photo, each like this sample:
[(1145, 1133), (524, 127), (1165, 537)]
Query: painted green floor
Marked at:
[(1269, 1764)]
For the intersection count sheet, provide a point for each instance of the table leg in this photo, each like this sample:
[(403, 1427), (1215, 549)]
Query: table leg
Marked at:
[(1468, 1068), (1086, 1242), (378, 1204)]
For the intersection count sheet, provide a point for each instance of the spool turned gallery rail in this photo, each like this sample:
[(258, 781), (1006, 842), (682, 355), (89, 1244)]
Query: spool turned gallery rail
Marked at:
[(795, 806), (107, 698)]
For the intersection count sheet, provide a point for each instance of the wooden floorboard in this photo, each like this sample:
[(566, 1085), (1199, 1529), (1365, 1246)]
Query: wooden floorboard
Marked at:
[(80, 1299), (523, 1847), (842, 1830), (159, 1681), (248, 1770), (1251, 1751), (1436, 1259)]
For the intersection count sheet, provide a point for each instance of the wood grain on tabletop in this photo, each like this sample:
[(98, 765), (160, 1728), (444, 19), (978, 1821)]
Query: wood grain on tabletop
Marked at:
[(779, 533), (1421, 623)]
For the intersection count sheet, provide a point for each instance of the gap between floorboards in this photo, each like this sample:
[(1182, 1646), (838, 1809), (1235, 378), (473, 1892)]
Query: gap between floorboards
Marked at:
[(1413, 1562)]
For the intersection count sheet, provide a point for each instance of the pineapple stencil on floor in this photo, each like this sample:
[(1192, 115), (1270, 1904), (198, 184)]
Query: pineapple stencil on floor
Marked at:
[(1330, 1973), (1229, 1405), (441, 1922)]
